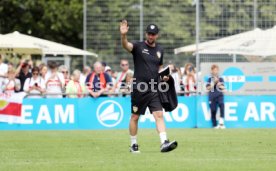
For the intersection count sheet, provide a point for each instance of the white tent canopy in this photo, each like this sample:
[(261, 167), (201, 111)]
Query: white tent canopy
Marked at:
[(259, 43), (212, 43), (245, 43), (8, 45), (47, 47)]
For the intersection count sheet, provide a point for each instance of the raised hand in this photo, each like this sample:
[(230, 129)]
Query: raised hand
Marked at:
[(124, 27), (22, 61)]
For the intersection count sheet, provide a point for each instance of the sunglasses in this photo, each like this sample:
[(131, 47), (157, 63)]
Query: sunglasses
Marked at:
[(151, 34), (124, 64), (64, 72)]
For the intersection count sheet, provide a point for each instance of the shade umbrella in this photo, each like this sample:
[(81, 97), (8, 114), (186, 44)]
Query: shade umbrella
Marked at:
[(48, 47), (219, 42), (261, 43), (9, 45)]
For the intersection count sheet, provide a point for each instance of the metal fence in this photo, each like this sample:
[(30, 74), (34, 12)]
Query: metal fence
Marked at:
[(222, 18), (175, 18)]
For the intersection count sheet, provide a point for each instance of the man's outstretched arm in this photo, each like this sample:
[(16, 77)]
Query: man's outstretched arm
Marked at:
[(124, 29)]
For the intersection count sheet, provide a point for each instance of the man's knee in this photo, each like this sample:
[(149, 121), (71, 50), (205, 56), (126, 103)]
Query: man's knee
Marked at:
[(135, 117), (158, 114)]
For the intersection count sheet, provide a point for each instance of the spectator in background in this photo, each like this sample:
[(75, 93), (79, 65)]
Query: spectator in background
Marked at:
[(23, 72), (109, 71), (103, 66), (76, 89), (35, 86), (126, 89), (11, 84), (10, 65), (176, 76), (114, 76), (31, 64), (54, 81), (84, 74), (43, 70), (3, 71), (215, 86), (189, 79), (66, 75), (98, 82), (121, 76)]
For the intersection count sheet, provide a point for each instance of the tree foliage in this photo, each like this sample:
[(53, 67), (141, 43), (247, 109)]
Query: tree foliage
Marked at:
[(62, 21), (56, 20)]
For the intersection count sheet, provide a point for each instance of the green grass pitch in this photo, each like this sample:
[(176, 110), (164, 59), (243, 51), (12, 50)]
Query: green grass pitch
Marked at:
[(199, 149)]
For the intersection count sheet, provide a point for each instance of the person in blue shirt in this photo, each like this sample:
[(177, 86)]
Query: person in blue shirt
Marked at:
[(98, 82), (215, 87)]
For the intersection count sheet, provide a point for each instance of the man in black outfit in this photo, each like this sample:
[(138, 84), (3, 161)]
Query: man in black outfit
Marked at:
[(148, 60)]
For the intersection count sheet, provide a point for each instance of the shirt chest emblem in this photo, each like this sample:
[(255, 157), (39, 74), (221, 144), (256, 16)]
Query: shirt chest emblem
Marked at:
[(146, 51), (158, 54)]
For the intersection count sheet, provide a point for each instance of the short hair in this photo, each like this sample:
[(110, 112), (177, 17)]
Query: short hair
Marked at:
[(129, 74), (214, 66), (52, 65), (76, 72), (86, 67), (103, 64), (124, 60), (42, 65), (35, 69), (98, 63), (11, 70), (62, 67)]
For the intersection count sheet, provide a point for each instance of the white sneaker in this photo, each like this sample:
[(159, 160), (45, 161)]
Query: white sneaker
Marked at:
[(217, 127), (222, 126), (221, 121)]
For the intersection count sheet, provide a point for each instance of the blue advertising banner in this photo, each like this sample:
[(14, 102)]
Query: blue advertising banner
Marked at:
[(241, 112), (244, 78), (91, 113), (114, 113)]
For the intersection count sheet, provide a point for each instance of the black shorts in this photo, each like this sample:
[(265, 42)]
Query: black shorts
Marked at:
[(141, 100)]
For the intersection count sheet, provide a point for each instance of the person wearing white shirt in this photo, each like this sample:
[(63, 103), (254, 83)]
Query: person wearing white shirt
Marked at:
[(54, 82), (121, 76), (109, 71), (189, 80), (3, 71), (85, 72), (43, 69), (11, 84), (35, 86)]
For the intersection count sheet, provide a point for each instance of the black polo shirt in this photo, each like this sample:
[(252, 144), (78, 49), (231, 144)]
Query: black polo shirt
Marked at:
[(22, 77), (147, 60)]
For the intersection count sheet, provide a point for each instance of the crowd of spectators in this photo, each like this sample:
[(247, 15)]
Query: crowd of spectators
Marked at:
[(53, 81)]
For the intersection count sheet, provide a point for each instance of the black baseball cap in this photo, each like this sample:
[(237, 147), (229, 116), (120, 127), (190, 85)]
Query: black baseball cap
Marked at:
[(152, 28)]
